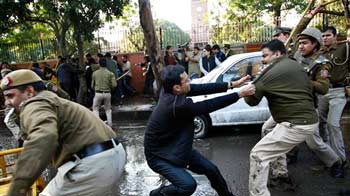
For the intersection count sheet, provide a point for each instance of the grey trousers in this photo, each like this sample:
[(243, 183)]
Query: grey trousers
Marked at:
[(91, 176), (330, 107)]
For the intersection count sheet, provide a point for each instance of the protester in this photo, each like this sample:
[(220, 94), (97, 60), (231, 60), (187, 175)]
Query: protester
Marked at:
[(218, 53), (170, 131), (208, 62)]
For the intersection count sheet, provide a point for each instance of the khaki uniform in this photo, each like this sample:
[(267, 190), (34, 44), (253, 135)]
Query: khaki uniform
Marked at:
[(289, 92), (55, 129), (318, 69), (331, 105), (11, 117), (103, 82), (193, 67)]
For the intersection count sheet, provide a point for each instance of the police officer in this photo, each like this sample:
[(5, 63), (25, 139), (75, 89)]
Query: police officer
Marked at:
[(103, 82), (289, 92), (331, 105), (11, 118), (282, 34), (89, 159), (318, 69)]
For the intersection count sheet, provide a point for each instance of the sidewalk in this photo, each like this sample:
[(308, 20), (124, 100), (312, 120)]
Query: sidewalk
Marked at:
[(133, 108)]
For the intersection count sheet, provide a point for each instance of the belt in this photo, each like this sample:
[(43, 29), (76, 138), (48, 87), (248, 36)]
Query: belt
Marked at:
[(338, 85), (95, 149), (102, 91)]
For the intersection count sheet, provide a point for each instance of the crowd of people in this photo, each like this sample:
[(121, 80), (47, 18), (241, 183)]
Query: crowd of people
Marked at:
[(304, 88)]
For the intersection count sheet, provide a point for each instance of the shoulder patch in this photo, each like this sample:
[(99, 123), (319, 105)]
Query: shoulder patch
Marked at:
[(324, 73)]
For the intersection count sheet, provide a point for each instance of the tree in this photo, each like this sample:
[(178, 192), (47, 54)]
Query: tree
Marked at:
[(239, 9), (85, 16), (152, 45)]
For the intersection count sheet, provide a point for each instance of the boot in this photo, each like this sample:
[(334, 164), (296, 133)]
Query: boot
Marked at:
[(337, 170), (282, 183), (109, 117)]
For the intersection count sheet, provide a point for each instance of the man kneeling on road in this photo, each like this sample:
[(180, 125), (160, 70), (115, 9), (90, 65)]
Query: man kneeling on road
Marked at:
[(89, 160), (170, 130), (286, 86)]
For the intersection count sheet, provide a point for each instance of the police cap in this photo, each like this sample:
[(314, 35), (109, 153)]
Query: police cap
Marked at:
[(18, 78), (280, 30)]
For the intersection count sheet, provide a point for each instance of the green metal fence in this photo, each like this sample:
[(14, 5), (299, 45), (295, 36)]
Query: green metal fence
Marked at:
[(132, 40)]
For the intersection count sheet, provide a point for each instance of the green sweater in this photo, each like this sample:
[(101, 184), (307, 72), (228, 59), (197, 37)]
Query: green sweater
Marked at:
[(288, 90)]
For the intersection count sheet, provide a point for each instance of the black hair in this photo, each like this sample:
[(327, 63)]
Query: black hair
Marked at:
[(275, 45), (167, 48), (35, 65), (170, 76), (216, 47), (103, 62), (331, 29), (99, 55), (108, 55), (88, 55), (147, 58), (125, 56), (196, 47), (208, 48), (38, 86)]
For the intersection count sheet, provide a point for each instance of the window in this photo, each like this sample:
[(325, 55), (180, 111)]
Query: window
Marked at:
[(249, 66)]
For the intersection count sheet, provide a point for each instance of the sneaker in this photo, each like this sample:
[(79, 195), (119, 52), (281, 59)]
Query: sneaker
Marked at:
[(282, 184), (337, 170)]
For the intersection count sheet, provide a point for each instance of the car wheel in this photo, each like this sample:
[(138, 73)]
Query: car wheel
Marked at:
[(201, 127)]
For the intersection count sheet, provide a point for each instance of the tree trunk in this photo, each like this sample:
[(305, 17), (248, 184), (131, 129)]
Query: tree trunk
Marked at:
[(82, 93), (347, 17), (277, 16), (149, 31)]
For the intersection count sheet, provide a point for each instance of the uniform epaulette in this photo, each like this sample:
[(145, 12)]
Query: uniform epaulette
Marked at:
[(322, 60)]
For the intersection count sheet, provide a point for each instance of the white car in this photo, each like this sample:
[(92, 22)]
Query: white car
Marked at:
[(239, 113)]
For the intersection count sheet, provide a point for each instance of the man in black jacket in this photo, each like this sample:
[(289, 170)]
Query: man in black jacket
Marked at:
[(170, 130)]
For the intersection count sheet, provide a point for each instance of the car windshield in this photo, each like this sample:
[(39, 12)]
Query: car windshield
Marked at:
[(246, 66)]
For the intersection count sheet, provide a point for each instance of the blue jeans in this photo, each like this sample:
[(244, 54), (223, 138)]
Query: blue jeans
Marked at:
[(182, 183)]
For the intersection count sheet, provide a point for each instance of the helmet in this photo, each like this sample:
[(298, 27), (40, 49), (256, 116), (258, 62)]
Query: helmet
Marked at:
[(312, 32)]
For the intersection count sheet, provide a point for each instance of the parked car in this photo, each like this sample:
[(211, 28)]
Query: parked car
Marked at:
[(238, 113)]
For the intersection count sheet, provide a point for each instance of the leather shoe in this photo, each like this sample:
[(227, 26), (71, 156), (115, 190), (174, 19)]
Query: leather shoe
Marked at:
[(337, 170)]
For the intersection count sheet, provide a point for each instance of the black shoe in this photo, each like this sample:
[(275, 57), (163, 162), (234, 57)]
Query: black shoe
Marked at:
[(292, 159), (282, 184), (345, 164), (156, 192), (344, 192), (337, 170)]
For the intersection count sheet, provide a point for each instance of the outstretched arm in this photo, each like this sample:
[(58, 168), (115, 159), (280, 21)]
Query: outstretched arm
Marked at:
[(205, 89)]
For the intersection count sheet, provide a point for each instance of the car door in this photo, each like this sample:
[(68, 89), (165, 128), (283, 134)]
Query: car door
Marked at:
[(240, 112)]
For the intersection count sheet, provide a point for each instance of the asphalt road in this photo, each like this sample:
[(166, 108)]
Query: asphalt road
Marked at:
[(228, 148)]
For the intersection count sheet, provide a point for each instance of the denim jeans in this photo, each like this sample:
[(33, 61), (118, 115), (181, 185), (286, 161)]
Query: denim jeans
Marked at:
[(182, 182)]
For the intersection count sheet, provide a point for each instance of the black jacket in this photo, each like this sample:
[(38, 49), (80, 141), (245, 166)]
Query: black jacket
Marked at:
[(170, 130)]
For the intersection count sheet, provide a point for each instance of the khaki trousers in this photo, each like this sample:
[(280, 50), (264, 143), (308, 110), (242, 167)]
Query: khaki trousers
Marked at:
[(278, 142), (94, 175), (104, 98)]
